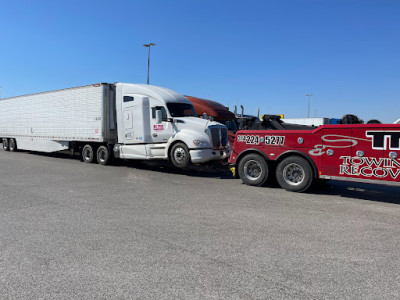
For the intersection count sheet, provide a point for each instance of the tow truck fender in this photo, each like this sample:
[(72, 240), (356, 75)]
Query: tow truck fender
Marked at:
[(250, 150)]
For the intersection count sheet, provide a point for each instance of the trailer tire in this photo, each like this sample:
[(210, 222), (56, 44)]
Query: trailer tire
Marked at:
[(253, 170), (180, 156), (103, 155), (12, 145), (5, 145), (88, 154), (294, 174)]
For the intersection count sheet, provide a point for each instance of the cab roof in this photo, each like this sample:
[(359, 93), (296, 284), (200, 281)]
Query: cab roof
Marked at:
[(157, 92)]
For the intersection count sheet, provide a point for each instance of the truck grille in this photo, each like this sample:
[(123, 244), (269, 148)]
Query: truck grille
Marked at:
[(218, 136)]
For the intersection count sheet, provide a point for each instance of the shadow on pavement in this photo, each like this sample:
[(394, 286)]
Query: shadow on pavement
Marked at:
[(362, 191), (214, 171)]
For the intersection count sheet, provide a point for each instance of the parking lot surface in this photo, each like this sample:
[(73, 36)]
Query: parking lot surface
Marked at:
[(149, 231)]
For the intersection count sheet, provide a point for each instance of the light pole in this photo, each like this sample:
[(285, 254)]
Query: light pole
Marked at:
[(148, 60), (309, 99)]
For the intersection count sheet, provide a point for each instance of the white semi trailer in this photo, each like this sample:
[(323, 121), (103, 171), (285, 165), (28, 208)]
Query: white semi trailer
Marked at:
[(311, 121), (128, 121)]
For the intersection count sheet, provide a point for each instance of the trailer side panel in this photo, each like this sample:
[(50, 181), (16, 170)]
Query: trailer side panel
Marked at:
[(75, 114)]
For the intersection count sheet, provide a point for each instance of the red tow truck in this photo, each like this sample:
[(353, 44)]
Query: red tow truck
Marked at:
[(299, 156)]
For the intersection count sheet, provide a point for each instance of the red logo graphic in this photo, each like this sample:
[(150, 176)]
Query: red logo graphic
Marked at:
[(158, 127)]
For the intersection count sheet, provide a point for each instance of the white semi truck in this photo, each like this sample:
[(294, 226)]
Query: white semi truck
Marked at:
[(128, 121)]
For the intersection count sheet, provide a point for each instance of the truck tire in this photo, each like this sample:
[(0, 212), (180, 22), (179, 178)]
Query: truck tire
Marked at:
[(5, 145), (103, 155), (12, 145), (88, 154), (180, 156), (253, 170), (294, 174)]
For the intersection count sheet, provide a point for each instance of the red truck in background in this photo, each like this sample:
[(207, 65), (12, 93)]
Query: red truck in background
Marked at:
[(219, 112), (298, 157)]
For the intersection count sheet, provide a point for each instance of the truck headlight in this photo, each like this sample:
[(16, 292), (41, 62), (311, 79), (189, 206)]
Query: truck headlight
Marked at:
[(198, 143)]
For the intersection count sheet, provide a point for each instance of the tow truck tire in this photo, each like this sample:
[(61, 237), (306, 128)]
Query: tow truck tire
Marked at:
[(294, 174), (5, 145), (253, 170), (88, 154), (12, 145), (180, 156), (103, 155)]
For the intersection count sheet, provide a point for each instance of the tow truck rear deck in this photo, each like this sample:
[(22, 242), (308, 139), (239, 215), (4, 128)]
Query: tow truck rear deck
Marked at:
[(298, 156)]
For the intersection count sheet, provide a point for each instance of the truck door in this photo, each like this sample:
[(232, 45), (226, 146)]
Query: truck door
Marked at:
[(160, 133), (127, 115), (334, 149), (385, 145)]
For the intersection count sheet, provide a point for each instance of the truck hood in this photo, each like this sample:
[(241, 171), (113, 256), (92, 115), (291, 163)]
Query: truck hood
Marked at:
[(196, 132), (195, 122)]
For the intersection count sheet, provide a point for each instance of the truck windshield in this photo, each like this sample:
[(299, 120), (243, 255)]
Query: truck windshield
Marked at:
[(181, 110), (230, 124)]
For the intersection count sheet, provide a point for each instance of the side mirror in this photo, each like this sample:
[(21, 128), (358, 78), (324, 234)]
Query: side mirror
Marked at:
[(211, 118), (158, 116)]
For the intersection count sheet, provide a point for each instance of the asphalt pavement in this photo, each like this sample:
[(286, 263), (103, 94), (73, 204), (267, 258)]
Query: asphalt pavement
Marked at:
[(71, 230)]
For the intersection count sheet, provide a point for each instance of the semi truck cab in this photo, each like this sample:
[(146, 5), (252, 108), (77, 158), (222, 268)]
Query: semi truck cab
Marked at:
[(158, 123)]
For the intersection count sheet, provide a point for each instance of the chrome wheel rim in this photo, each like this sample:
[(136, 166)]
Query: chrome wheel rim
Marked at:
[(293, 174), (102, 155), (87, 154), (180, 155), (252, 170)]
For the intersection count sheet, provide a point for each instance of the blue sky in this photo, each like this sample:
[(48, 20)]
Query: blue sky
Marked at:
[(266, 54)]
